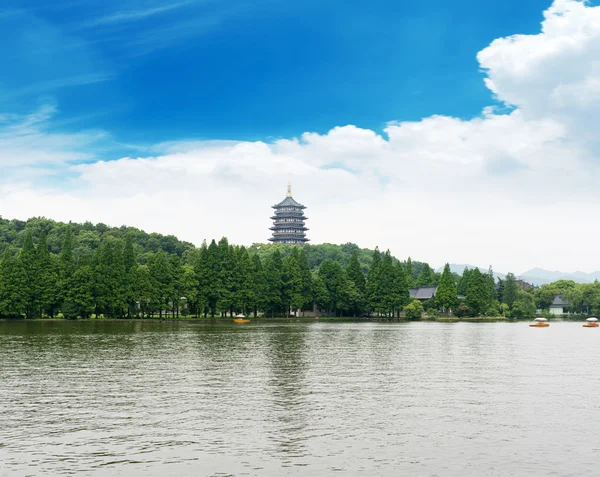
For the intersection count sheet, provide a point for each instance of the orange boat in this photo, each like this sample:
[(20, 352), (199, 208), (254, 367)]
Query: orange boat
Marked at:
[(540, 323), (591, 323), (241, 319)]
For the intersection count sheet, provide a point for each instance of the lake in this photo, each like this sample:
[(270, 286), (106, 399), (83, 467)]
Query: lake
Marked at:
[(186, 399)]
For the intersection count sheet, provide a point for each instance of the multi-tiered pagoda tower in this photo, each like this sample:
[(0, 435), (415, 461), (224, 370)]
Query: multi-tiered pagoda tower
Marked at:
[(288, 221)]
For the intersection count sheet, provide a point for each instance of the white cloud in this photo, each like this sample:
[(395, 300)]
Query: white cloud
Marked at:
[(516, 190), (26, 141)]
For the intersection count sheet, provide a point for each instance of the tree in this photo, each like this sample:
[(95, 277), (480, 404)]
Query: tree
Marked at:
[(545, 295), (244, 274), (258, 285), (401, 292), (334, 279), (273, 272), (491, 285), (13, 302), (355, 273), (307, 279), (524, 305), (414, 310), (374, 285), (189, 287), (320, 293), (425, 277), (162, 279), (509, 293), (477, 298), (29, 264), (410, 275), (464, 280), (357, 277), (226, 270), (292, 282), (446, 296), (47, 276), (387, 277)]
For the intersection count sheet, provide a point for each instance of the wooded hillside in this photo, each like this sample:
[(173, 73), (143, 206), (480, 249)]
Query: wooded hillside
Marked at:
[(81, 270)]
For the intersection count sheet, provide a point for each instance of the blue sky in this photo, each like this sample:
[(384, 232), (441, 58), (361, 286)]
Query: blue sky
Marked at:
[(463, 131), (148, 71)]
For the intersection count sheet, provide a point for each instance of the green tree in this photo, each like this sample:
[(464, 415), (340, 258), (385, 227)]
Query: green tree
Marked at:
[(29, 264), (510, 290), (13, 302), (446, 297), (320, 293), (414, 310), (355, 272), (410, 274), (47, 276), (425, 277), (374, 289), (292, 290), (386, 280), (162, 279), (273, 275), (523, 306), (477, 298), (336, 282), (307, 279), (464, 280), (258, 285), (401, 292)]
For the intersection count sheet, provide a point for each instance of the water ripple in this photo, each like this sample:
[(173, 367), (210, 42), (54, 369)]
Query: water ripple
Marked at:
[(427, 399)]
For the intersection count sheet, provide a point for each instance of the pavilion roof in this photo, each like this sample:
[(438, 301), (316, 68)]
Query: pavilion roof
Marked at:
[(289, 202)]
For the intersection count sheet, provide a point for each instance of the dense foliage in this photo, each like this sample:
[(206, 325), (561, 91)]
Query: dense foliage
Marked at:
[(49, 268), (80, 270)]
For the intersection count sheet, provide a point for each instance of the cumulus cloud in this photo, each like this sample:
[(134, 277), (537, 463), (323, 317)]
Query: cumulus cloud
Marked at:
[(515, 189)]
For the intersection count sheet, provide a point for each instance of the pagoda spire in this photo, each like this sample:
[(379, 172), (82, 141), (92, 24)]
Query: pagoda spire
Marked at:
[(289, 192)]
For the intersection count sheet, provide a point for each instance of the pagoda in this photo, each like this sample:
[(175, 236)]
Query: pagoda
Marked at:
[(288, 221)]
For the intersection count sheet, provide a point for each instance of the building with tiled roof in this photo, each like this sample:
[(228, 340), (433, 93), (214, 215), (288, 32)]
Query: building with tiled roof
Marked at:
[(422, 293), (289, 221)]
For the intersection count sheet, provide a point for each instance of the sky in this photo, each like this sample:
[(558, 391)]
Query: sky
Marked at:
[(461, 132)]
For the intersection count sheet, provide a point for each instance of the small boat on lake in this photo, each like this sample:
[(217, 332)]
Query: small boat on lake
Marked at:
[(540, 323), (591, 323), (241, 318)]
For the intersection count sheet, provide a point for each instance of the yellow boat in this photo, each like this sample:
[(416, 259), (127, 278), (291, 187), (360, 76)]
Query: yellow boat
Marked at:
[(591, 323), (540, 323), (241, 319)]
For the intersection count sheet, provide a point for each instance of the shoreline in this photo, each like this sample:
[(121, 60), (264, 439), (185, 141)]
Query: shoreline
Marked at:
[(264, 320)]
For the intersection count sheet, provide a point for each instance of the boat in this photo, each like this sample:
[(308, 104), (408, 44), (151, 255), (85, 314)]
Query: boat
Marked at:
[(540, 323), (241, 319), (591, 323)]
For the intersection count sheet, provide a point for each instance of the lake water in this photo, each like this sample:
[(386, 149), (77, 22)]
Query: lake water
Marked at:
[(319, 399)]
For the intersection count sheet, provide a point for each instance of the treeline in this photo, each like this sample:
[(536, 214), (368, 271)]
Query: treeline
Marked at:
[(215, 279), (80, 270), (51, 269), (582, 298)]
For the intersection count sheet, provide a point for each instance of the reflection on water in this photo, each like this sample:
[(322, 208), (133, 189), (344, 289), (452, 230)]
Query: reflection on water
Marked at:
[(428, 399)]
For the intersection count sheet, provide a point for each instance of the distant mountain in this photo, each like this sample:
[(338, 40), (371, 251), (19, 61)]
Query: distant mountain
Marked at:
[(539, 276), (535, 276)]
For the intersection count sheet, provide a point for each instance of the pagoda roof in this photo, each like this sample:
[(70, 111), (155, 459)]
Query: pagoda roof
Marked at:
[(289, 202)]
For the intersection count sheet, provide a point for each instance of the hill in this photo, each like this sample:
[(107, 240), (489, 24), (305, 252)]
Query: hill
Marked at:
[(539, 276), (88, 237), (51, 268)]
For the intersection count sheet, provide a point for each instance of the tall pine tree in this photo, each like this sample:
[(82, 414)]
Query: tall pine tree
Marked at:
[(446, 297)]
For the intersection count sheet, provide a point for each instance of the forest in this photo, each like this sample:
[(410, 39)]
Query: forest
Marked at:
[(52, 269)]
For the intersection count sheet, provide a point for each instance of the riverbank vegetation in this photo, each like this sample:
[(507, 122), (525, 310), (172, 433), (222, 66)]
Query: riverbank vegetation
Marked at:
[(52, 269)]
